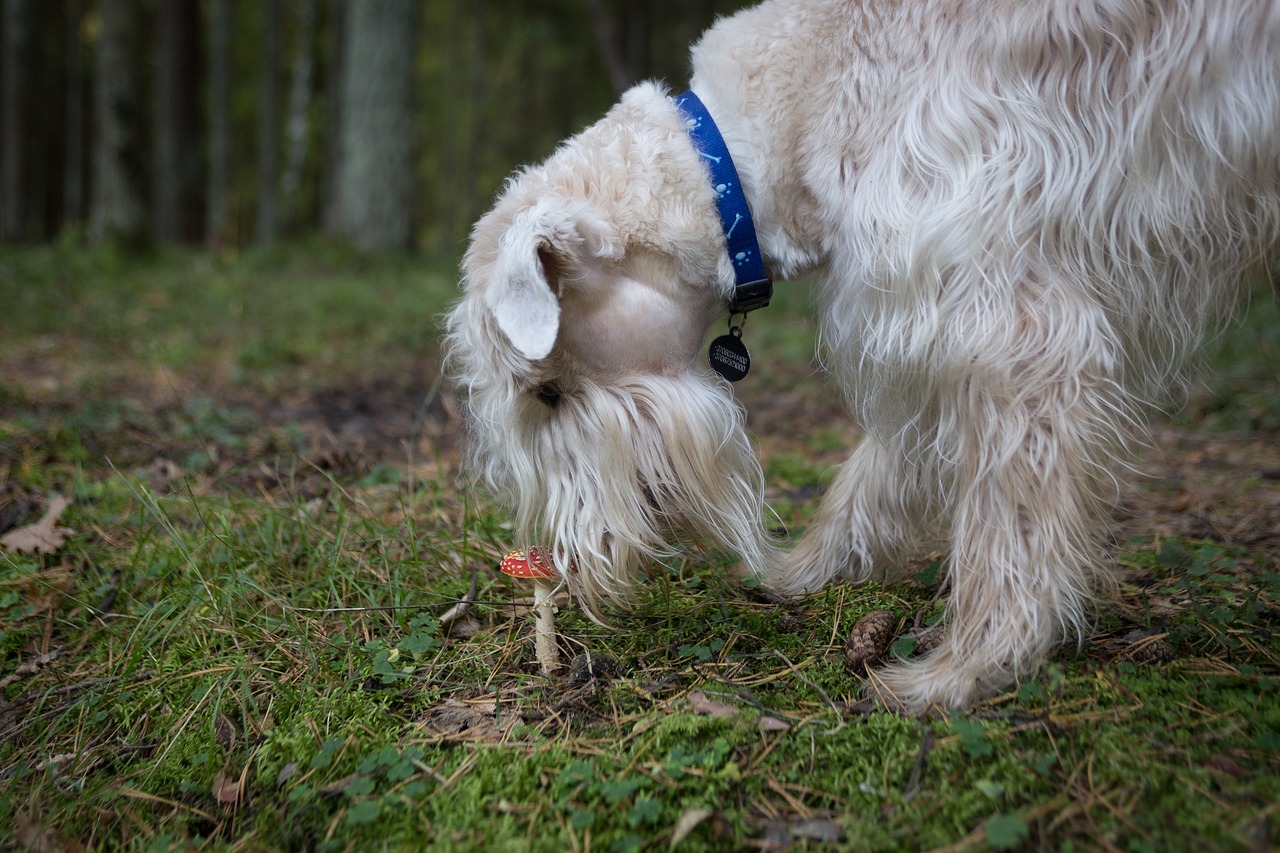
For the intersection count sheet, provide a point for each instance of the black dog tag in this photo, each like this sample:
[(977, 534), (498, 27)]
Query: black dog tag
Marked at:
[(729, 357)]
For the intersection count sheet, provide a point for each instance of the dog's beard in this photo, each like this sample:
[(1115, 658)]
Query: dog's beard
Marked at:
[(613, 475)]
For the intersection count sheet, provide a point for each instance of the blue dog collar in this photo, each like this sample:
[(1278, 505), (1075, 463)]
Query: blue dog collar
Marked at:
[(754, 288)]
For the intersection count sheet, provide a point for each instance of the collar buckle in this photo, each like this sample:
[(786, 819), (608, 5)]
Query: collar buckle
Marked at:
[(751, 295)]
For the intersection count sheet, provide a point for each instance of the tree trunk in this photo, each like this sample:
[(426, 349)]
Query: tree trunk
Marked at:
[(118, 213), (454, 113), (297, 124), (465, 121), (73, 157), (472, 200), (637, 16), (14, 128), (268, 122), (42, 127), (219, 124), (376, 185), (177, 162), (607, 41), (330, 218)]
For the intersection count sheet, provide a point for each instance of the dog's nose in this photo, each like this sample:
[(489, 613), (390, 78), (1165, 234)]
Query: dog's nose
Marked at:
[(549, 395)]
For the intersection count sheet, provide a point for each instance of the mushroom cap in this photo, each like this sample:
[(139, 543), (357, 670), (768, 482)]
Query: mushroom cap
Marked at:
[(536, 563)]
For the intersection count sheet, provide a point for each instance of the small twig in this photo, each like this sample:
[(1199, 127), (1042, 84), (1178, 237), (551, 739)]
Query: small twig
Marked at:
[(795, 670), (429, 770), (384, 608), (918, 769), (83, 686), (460, 609)]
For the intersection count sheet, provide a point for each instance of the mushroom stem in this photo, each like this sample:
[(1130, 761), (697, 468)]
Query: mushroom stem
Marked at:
[(544, 631)]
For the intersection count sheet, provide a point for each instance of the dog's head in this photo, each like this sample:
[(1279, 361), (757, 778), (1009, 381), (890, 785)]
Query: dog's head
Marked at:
[(588, 292)]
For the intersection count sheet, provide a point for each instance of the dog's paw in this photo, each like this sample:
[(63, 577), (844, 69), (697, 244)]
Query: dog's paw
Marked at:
[(803, 570), (932, 683)]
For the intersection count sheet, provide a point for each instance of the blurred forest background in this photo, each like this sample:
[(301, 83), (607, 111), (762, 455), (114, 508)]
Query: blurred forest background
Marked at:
[(235, 123)]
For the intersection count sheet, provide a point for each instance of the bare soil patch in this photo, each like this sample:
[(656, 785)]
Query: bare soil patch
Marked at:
[(1223, 487)]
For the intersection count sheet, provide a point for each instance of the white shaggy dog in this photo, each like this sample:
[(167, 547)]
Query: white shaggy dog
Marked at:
[(1024, 214)]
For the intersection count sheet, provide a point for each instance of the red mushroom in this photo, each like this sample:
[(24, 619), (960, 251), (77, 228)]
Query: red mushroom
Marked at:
[(536, 564)]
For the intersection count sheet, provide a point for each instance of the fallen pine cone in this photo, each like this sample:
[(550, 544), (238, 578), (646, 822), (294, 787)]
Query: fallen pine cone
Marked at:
[(790, 623), (589, 667), (928, 639), (1146, 647), (870, 640)]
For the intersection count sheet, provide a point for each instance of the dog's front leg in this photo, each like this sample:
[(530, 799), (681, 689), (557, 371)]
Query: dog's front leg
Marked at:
[(1028, 477), (869, 523)]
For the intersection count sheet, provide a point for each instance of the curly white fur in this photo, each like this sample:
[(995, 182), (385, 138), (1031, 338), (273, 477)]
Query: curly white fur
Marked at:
[(1024, 217)]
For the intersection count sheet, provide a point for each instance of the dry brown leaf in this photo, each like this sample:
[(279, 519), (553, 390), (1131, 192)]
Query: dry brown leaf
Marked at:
[(772, 724), (162, 474), (45, 590), (819, 829), (1166, 605), (687, 823), (41, 839), (455, 612), (1225, 765), (704, 705), (458, 621), (288, 772), (31, 667), (336, 787), (225, 731), (457, 721), (226, 788), (42, 537), (465, 627)]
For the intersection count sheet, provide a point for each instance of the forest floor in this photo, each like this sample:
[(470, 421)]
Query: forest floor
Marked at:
[(242, 632)]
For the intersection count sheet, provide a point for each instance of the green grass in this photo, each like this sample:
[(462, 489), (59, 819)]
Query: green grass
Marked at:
[(1242, 392), (248, 655), (258, 318)]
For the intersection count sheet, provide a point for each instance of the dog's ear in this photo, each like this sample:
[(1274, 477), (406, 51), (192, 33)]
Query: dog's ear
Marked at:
[(543, 248)]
